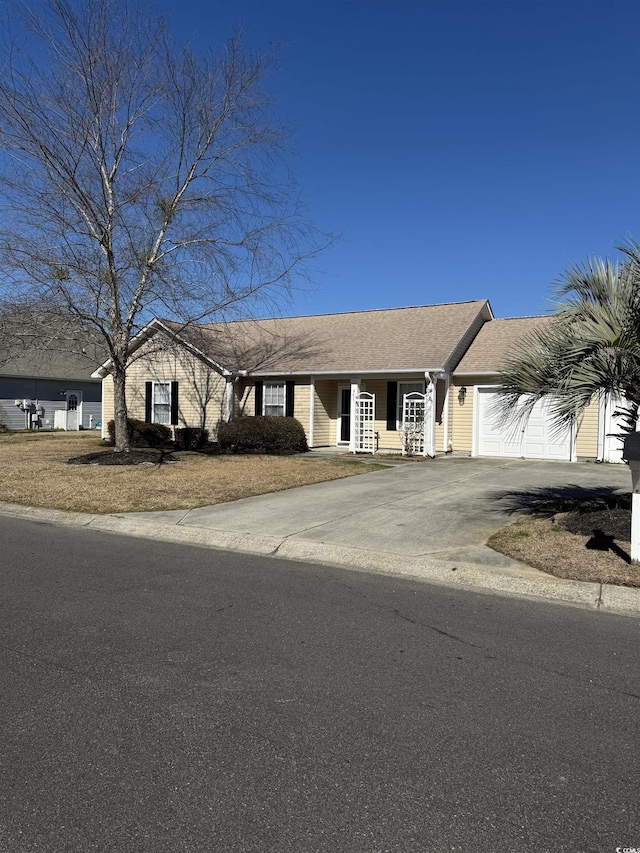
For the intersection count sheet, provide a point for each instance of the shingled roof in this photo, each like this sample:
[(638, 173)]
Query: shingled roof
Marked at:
[(428, 337), (37, 345), (496, 341)]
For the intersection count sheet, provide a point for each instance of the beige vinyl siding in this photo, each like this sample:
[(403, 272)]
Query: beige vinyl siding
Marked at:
[(243, 399), (587, 437), (325, 413), (462, 412), (449, 404), (302, 404), (201, 391), (107, 403)]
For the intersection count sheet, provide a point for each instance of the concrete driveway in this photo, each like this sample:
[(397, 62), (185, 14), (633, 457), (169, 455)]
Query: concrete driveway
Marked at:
[(446, 506)]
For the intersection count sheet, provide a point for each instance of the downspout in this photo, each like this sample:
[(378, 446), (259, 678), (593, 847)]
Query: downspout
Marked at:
[(229, 397)]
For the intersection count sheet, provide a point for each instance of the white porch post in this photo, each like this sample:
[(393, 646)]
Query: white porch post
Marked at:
[(229, 398), (430, 424), (312, 407), (355, 390)]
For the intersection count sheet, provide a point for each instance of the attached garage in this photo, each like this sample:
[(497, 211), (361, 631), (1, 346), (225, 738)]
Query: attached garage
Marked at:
[(536, 439)]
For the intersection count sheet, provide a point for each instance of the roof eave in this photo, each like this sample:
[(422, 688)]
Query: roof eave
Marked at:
[(471, 372), (146, 333), (351, 372)]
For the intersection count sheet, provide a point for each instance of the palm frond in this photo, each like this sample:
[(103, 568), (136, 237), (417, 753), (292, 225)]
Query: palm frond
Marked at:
[(591, 349)]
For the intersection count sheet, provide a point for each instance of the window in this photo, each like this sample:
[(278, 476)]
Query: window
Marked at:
[(274, 398), (161, 403), (406, 388)]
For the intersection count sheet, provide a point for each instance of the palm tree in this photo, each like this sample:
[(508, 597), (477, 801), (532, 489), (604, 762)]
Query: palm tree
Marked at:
[(589, 349)]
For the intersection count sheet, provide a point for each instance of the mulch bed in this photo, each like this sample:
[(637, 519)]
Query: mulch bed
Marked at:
[(589, 541), (614, 523), (137, 456)]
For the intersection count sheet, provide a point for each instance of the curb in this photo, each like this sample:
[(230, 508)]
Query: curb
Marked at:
[(510, 578)]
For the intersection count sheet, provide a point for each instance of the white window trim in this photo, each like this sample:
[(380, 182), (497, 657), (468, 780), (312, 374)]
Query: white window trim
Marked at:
[(280, 386), (153, 404)]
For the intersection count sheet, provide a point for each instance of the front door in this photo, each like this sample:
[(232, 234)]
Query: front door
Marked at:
[(344, 414), (74, 409)]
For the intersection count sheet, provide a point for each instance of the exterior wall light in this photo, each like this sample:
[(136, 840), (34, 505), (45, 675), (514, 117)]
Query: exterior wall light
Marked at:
[(462, 395)]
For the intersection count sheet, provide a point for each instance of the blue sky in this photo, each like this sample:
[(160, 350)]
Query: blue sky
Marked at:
[(462, 148)]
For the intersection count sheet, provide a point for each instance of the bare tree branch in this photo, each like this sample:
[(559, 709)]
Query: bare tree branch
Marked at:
[(139, 178)]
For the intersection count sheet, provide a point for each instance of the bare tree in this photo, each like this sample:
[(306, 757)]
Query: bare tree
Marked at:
[(141, 178)]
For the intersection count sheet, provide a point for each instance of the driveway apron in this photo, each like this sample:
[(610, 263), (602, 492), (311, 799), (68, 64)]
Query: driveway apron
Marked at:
[(412, 509)]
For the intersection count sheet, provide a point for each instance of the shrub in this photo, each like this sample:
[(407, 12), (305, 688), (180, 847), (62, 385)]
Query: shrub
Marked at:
[(142, 434), (191, 438), (263, 435)]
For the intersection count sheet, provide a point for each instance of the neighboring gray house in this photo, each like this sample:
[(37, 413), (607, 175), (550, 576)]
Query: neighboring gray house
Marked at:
[(45, 376)]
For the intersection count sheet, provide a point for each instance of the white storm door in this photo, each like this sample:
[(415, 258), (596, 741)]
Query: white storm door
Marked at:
[(74, 409)]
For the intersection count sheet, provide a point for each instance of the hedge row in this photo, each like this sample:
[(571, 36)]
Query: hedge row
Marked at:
[(244, 435), (143, 434), (275, 435)]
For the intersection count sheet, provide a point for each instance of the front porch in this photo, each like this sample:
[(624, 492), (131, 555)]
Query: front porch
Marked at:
[(403, 414)]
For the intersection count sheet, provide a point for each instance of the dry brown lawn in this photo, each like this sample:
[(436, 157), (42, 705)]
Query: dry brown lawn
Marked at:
[(34, 472), (545, 543)]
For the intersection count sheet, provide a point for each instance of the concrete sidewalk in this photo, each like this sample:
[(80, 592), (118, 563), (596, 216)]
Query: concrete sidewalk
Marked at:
[(423, 520)]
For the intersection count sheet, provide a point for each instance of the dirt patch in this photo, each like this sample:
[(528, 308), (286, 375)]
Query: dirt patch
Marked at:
[(590, 542)]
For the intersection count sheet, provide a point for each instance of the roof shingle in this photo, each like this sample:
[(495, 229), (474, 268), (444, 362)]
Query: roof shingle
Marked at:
[(394, 339), (496, 341)]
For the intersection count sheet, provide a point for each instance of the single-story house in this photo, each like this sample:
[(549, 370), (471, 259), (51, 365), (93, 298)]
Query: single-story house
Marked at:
[(46, 376), (418, 379)]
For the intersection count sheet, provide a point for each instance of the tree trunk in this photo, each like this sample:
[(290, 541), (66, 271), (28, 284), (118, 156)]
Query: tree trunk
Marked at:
[(120, 410)]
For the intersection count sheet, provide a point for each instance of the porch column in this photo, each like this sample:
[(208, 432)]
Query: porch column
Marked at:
[(430, 437), (312, 407), (229, 398), (355, 390)]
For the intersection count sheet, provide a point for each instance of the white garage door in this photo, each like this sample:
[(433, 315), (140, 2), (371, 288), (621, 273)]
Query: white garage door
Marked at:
[(534, 440)]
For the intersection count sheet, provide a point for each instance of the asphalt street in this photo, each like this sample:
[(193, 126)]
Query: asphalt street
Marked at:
[(159, 698)]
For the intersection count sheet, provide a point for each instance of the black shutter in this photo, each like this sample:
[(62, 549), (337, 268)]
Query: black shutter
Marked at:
[(174, 403), (291, 392), (148, 393), (392, 405), (258, 397)]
